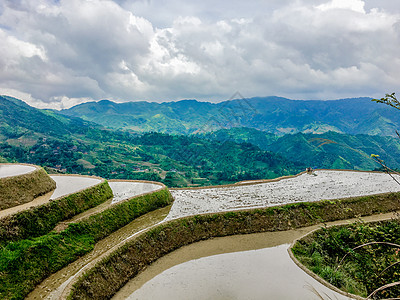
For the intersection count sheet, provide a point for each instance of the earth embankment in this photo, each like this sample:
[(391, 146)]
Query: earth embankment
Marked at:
[(20, 184)]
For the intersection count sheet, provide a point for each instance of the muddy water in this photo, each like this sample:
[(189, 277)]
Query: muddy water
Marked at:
[(14, 170), (52, 287), (267, 273), (253, 274), (254, 266)]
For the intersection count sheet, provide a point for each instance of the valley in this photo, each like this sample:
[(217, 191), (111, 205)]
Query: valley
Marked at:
[(224, 181), (217, 152)]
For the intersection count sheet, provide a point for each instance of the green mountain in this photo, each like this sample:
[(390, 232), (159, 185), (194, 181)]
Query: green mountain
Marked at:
[(71, 145), (329, 150), (272, 114)]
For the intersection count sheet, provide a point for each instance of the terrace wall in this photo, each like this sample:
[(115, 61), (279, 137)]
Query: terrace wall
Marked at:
[(105, 278), (17, 190)]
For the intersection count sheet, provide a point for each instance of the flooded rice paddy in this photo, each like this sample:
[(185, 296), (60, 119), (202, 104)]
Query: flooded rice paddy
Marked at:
[(255, 266), (69, 184), (15, 170), (239, 267), (52, 287), (65, 185), (127, 189), (322, 185)]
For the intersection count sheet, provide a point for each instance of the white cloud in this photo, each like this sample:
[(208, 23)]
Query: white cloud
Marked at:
[(63, 52), (355, 5)]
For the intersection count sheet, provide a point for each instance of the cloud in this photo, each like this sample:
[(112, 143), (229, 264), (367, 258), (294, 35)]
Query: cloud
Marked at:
[(63, 52), (354, 5)]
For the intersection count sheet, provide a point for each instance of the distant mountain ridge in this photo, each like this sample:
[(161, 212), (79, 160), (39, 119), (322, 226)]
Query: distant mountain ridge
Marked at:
[(19, 119), (271, 114), (71, 145), (327, 150)]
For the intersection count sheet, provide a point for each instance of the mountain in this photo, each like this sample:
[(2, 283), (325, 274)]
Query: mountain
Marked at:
[(70, 145), (18, 119), (271, 114), (329, 150)]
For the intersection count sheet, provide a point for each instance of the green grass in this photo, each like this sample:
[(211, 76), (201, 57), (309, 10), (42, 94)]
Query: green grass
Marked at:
[(360, 272), (25, 263), (24, 188), (104, 279), (40, 220)]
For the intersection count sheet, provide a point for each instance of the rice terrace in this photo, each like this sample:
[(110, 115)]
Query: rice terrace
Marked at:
[(199, 150), (95, 236)]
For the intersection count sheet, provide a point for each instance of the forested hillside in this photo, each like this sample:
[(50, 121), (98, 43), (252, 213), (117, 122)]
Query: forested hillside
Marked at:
[(329, 150), (71, 145), (74, 146), (271, 114)]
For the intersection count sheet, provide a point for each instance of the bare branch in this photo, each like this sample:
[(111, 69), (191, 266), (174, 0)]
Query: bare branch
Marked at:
[(392, 265), (383, 288), (364, 245), (387, 169)]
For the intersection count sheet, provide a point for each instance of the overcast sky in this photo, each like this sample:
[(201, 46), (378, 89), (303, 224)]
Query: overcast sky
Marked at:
[(60, 53)]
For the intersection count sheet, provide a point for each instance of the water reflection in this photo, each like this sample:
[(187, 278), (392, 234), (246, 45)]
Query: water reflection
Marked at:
[(267, 273), (259, 274)]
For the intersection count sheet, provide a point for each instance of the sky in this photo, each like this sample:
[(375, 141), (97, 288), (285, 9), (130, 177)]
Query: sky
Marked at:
[(59, 53)]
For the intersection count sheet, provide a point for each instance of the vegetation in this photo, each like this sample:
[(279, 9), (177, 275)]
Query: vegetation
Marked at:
[(75, 146), (329, 150), (270, 114), (222, 157), (40, 220), (104, 279), (25, 263), (24, 188), (359, 258), (332, 253)]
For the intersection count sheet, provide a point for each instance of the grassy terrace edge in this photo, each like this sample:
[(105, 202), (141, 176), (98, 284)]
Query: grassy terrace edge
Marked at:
[(366, 269), (26, 263), (40, 220), (105, 278), (20, 189)]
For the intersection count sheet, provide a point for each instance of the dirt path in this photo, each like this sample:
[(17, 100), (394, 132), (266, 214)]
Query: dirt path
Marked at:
[(48, 288), (36, 202), (65, 185)]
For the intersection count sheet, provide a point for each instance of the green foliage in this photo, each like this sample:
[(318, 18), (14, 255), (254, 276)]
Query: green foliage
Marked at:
[(104, 279), (271, 114), (25, 263), (221, 157), (389, 99), (40, 220), (329, 150), (362, 270)]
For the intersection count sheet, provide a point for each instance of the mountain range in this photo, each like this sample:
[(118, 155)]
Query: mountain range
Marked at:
[(220, 149), (271, 114), (71, 145)]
